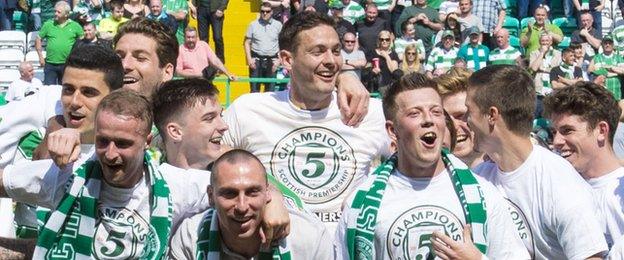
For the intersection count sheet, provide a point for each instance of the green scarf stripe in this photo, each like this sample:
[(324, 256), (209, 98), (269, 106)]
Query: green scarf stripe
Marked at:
[(80, 201), (209, 242), (361, 231), (286, 192)]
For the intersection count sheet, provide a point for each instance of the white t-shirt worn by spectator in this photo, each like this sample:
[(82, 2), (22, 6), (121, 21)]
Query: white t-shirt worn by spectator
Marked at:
[(552, 206), (20, 88), (311, 152), (608, 192)]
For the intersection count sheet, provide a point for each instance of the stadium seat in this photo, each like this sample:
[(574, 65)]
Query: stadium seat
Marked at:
[(515, 42), (10, 58), (512, 25), (565, 43), (30, 40), (7, 76), (566, 25), (13, 39)]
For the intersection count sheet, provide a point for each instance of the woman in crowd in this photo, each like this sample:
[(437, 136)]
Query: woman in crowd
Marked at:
[(450, 24), (541, 61), (408, 38), (135, 8), (382, 61), (411, 60)]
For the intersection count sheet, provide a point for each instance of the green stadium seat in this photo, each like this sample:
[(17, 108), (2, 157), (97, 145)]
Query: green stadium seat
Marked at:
[(525, 22), (566, 25), (565, 43), (512, 25), (515, 42)]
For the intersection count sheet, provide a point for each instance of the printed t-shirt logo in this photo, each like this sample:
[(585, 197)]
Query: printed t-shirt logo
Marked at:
[(410, 233), (124, 234), (314, 162), (522, 226)]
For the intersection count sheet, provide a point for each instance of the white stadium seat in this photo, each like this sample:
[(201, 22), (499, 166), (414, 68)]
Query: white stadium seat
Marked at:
[(30, 41), (10, 58), (7, 76), (34, 58), (13, 39)]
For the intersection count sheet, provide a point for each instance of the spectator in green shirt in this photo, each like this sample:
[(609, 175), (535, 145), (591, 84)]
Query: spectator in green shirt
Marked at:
[(60, 33), (529, 38)]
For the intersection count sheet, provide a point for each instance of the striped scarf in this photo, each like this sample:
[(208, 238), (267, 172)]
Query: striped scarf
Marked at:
[(58, 239), (209, 242), (361, 231)]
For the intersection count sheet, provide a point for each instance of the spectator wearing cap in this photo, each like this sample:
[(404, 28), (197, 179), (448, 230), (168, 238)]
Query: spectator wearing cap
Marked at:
[(566, 74), (425, 18), (530, 36), (474, 53), (468, 20), (354, 59), (342, 26), (587, 35), (541, 62), (594, 7), (370, 27), (409, 37), (610, 65), (353, 11), (261, 47), (505, 53), (109, 25), (442, 57)]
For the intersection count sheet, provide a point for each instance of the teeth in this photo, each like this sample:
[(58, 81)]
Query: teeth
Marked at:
[(462, 138), (216, 140), (430, 135)]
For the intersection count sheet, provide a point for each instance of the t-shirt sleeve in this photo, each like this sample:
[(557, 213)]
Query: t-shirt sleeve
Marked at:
[(555, 73), (232, 136), (182, 244), (43, 32), (340, 240), (39, 183)]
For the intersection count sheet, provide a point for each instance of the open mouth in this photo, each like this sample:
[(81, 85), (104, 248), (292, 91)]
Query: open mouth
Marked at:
[(429, 139), (75, 117), (462, 138), (326, 75), (216, 140), (565, 153), (129, 80)]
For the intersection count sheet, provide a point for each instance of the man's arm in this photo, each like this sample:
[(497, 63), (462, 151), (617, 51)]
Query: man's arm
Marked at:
[(352, 98), (501, 20), (216, 62), (39, 48), (251, 62), (593, 41)]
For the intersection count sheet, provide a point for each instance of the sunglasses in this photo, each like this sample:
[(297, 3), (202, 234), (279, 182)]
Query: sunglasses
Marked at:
[(349, 41), (384, 39), (410, 53), (265, 11)]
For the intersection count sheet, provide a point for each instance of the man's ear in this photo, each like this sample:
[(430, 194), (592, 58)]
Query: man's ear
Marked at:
[(148, 140), (210, 191), (167, 71), (493, 115), (286, 58), (391, 130), (603, 132), (174, 132)]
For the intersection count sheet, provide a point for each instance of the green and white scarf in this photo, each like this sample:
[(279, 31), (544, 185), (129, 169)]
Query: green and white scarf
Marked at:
[(80, 202), (209, 242), (361, 231)]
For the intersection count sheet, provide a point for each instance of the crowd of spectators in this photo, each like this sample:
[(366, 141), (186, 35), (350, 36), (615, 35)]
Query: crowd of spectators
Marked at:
[(375, 35)]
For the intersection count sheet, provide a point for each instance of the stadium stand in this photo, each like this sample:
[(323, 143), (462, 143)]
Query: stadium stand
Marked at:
[(13, 39), (10, 58)]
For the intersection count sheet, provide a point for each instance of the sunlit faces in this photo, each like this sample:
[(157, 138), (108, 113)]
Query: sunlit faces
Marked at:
[(371, 13), (587, 20), (155, 7), (27, 72), (502, 38), (447, 42), (117, 13), (607, 46), (477, 122), (202, 127), (545, 40), (141, 63), (349, 41), (265, 13), (419, 126), (120, 144), (568, 58), (89, 31), (190, 39), (59, 13), (465, 6), (315, 62), (575, 141), (239, 194), (410, 31), (82, 92), (455, 106), (384, 40)]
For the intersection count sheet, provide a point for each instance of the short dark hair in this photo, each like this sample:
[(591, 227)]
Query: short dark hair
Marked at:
[(408, 82), (592, 102), (177, 96), (567, 50), (98, 58), (116, 4), (575, 46), (511, 90), (234, 156), (266, 4), (404, 25), (166, 43), (306, 20), (130, 103)]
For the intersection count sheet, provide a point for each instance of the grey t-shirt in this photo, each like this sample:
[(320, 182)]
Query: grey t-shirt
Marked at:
[(354, 55)]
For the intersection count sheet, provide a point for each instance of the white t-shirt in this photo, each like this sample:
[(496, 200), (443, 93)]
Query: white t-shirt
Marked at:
[(19, 118), (126, 212), (18, 89), (551, 205), (311, 152), (617, 251), (308, 239), (608, 192), (413, 208)]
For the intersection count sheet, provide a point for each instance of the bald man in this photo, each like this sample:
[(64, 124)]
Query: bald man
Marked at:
[(504, 53), (25, 86)]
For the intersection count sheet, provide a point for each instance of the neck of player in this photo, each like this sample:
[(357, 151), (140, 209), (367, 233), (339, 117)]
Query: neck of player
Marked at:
[(602, 164), (413, 168), (179, 159), (247, 247), (308, 100), (510, 151)]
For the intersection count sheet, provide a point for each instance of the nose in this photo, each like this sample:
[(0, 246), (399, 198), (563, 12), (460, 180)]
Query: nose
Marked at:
[(242, 205), (221, 125), (128, 63), (558, 140), (330, 60), (111, 153), (75, 100), (427, 119)]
